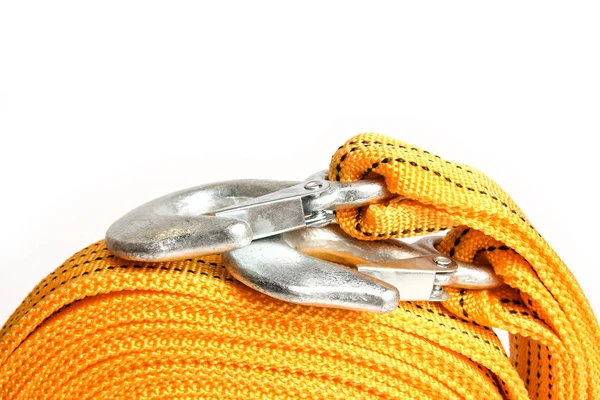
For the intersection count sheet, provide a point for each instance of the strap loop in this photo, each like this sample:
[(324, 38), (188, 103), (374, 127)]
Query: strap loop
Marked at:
[(554, 333)]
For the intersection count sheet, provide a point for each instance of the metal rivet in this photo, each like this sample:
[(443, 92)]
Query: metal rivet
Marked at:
[(312, 185), (442, 261)]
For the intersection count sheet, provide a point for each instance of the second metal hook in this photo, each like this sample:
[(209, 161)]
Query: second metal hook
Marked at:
[(325, 267)]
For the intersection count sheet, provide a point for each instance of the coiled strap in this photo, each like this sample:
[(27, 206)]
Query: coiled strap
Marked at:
[(101, 327)]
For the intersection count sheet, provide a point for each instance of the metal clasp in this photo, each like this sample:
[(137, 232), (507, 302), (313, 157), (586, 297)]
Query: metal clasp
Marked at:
[(325, 267), (223, 216), (309, 203), (258, 225)]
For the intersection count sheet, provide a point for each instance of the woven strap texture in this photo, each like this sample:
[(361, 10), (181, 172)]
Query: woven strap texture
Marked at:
[(99, 327)]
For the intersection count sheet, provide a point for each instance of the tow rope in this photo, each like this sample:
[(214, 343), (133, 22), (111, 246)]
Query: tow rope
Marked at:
[(102, 327)]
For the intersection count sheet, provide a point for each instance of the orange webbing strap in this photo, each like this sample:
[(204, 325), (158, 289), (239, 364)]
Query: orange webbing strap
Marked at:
[(555, 339), (102, 327)]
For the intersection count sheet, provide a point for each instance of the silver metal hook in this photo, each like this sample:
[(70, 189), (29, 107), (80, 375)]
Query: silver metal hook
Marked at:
[(179, 225), (232, 217), (304, 267), (223, 216)]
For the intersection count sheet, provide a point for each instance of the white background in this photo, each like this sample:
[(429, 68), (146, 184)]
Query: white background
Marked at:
[(105, 105)]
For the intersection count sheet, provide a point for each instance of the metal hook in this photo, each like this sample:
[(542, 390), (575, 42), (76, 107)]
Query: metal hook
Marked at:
[(257, 224), (223, 216), (304, 267)]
